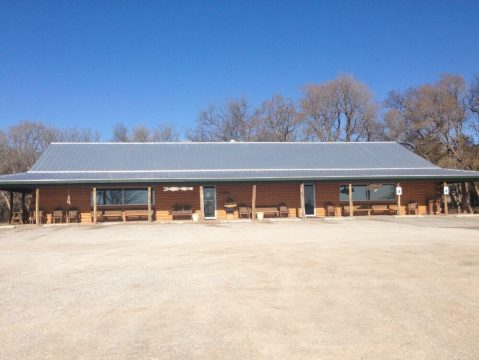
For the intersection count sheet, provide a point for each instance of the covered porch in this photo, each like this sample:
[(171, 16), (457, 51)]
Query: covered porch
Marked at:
[(225, 201)]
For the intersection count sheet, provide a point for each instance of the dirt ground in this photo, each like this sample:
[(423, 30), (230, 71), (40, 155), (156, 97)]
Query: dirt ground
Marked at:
[(382, 288)]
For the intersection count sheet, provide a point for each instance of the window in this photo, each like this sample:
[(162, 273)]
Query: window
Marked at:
[(383, 192), (135, 196), (111, 197)]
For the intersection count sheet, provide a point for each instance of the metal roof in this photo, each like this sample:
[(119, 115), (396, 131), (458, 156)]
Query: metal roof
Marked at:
[(237, 161)]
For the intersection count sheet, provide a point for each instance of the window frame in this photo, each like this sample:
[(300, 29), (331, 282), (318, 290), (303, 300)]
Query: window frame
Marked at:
[(122, 204), (368, 192)]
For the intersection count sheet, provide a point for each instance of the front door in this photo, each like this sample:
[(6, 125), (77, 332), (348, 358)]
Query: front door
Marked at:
[(309, 201), (209, 202)]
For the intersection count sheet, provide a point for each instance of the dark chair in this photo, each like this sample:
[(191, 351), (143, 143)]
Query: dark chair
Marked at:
[(57, 215), (32, 217), (438, 205), (330, 209), (283, 210), (73, 215), (244, 211), (412, 208)]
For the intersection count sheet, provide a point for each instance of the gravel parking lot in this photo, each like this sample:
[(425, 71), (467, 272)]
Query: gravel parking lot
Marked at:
[(382, 288)]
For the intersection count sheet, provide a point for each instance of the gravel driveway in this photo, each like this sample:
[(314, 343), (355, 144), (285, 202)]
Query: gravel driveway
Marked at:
[(382, 288)]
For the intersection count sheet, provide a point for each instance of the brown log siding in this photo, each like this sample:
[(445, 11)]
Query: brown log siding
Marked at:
[(53, 197), (269, 194)]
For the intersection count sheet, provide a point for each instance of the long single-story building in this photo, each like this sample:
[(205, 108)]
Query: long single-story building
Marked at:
[(90, 182)]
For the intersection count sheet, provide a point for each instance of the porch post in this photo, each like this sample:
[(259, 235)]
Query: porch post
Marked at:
[(399, 200), (149, 203), (94, 205), (446, 209), (202, 204), (23, 207), (351, 211), (301, 194), (10, 213), (37, 206), (253, 203)]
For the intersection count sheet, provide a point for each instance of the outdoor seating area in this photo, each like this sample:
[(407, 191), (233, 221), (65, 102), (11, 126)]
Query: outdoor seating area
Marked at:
[(373, 209), (57, 216), (106, 215)]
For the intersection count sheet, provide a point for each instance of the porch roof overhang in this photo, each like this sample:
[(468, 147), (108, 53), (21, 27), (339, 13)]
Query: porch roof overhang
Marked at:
[(39, 178)]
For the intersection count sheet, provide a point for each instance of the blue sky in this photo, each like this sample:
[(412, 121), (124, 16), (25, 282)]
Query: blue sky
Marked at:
[(95, 63)]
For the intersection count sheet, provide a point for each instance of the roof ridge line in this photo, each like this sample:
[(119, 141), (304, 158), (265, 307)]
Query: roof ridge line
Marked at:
[(221, 170), (218, 142)]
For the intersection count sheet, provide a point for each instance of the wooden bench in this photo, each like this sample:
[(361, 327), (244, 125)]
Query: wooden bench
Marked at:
[(112, 214), (137, 214), (270, 210), (182, 213), (383, 209), (357, 209)]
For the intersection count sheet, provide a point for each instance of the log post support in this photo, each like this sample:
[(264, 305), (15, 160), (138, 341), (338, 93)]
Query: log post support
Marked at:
[(399, 200), (37, 207), (94, 205), (10, 213), (446, 206), (253, 203), (350, 193), (301, 198), (23, 209), (202, 204), (149, 204)]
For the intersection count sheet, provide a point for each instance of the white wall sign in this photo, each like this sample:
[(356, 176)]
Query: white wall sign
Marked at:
[(398, 190), (446, 190), (177, 188)]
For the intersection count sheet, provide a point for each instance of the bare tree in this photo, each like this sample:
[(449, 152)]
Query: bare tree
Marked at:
[(432, 120), (120, 133), (473, 106), (321, 112), (23, 143), (26, 141), (141, 134), (342, 109), (78, 135), (165, 133), (277, 120), (231, 121)]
